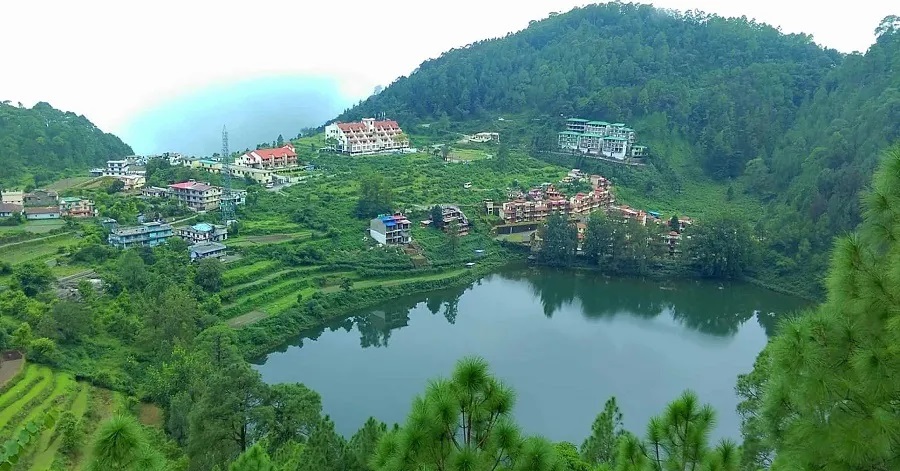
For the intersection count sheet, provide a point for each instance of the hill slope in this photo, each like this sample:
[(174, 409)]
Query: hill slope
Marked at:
[(40, 143), (795, 126)]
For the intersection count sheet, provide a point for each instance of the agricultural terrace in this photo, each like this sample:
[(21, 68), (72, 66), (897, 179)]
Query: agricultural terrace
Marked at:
[(49, 415)]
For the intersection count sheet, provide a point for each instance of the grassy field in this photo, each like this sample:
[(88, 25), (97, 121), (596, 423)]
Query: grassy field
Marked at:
[(31, 251), (71, 182), (37, 227), (39, 391)]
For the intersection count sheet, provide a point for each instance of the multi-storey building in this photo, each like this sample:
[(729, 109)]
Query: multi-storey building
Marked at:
[(269, 158), (539, 203), (77, 207), (366, 137), (450, 214), (197, 196), (148, 234), (13, 197), (599, 138), (116, 168), (390, 229), (202, 232), (132, 182)]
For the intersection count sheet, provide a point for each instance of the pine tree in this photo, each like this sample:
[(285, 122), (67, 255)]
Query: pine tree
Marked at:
[(831, 398), (120, 445), (254, 459), (602, 445)]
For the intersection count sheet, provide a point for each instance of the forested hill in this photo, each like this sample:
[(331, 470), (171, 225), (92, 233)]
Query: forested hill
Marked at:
[(39, 143), (792, 124), (731, 85)]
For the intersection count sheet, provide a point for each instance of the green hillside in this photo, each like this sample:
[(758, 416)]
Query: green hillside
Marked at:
[(41, 143), (730, 101)]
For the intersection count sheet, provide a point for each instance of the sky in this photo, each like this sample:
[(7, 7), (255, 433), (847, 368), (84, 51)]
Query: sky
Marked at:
[(113, 61)]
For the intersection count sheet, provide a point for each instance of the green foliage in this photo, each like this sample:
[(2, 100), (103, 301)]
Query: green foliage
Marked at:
[(721, 247), (678, 439), (831, 377), (375, 196), (463, 423), (559, 241), (601, 447), (41, 143), (33, 277), (363, 444), (254, 459), (121, 444), (325, 450), (209, 274)]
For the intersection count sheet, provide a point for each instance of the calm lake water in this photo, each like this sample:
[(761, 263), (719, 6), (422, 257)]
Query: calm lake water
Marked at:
[(564, 341)]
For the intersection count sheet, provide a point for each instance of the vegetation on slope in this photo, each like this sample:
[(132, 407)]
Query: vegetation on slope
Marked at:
[(41, 143)]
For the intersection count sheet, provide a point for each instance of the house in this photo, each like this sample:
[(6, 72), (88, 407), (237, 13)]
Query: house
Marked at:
[(202, 232), (197, 196), (639, 151), (77, 207), (390, 229), (366, 137), (148, 234), (259, 175), (452, 213), (280, 157), (9, 209), (116, 168), (12, 197), (207, 250), (132, 182), (484, 137), (155, 192), (490, 207), (42, 212), (614, 140), (41, 198)]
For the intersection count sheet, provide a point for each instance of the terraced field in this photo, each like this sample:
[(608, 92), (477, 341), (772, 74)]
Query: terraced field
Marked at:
[(31, 408)]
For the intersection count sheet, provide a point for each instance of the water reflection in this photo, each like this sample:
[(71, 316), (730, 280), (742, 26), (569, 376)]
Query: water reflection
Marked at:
[(600, 297)]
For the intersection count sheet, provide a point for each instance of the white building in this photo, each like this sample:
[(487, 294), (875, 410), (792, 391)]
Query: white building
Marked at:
[(366, 137), (116, 168)]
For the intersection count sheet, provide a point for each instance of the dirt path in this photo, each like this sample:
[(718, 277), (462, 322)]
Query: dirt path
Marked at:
[(10, 368)]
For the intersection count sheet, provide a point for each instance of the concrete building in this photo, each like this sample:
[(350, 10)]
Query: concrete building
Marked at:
[(197, 196), (42, 212), (366, 137), (12, 197), (9, 210), (207, 250), (116, 168), (41, 198), (614, 140), (132, 182), (148, 234), (155, 192), (390, 229), (280, 157), (259, 175), (77, 207), (452, 213), (485, 137), (202, 232)]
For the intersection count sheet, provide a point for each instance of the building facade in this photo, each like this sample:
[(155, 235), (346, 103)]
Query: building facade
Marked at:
[(197, 196), (280, 157), (41, 198), (202, 232), (9, 210), (452, 213), (116, 168), (42, 212), (614, 140), (77, 207), (366, 137), (13, 197), (207, 250), (148, 234), (390, 229)]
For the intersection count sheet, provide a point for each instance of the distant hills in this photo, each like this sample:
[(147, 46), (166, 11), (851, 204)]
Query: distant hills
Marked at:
[(797, 126), (40, 143)]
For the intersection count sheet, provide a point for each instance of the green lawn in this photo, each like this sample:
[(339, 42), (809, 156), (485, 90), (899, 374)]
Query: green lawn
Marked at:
[(12, 409), (71, 182), (37, 227), (20, 253)]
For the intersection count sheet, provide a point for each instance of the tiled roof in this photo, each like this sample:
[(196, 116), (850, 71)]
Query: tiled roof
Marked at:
[(10, 208), (42, 210), (269, 154), (191, 186)]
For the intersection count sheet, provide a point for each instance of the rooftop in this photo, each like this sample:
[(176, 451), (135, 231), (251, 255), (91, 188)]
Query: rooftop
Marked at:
[(10, 208), (42, 210), (70, 199), (191, 185), (577, 120), (207, 247), (598, 123), (143, 228)]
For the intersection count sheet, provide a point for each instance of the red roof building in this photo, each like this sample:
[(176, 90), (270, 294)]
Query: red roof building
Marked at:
[(366, 137), (279, 157)]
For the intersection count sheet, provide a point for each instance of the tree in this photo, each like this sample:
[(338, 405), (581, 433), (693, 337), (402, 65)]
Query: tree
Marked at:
[(33, 277), (209, 274), (362, 445), (721, 247), (121, 445), (678, 440), (453, 236), (279, 142), (116, 186), (674, 224), (375, 196), (437, 217), (295, 413), (67, 322), (464, 422), (501, 160), (254, 459), (325, 450), (560, 239), (604, 239), (601, 447), (346, 284), (756, 451), (829, 400)]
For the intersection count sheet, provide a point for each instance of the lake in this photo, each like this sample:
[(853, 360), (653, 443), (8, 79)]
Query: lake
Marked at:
[(564, 341)]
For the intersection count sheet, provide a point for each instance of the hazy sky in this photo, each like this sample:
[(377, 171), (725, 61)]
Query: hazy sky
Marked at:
[(111, 60)]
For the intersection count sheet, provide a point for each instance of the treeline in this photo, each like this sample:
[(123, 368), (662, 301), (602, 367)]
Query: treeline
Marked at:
[(719, 247), (41, 143)]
